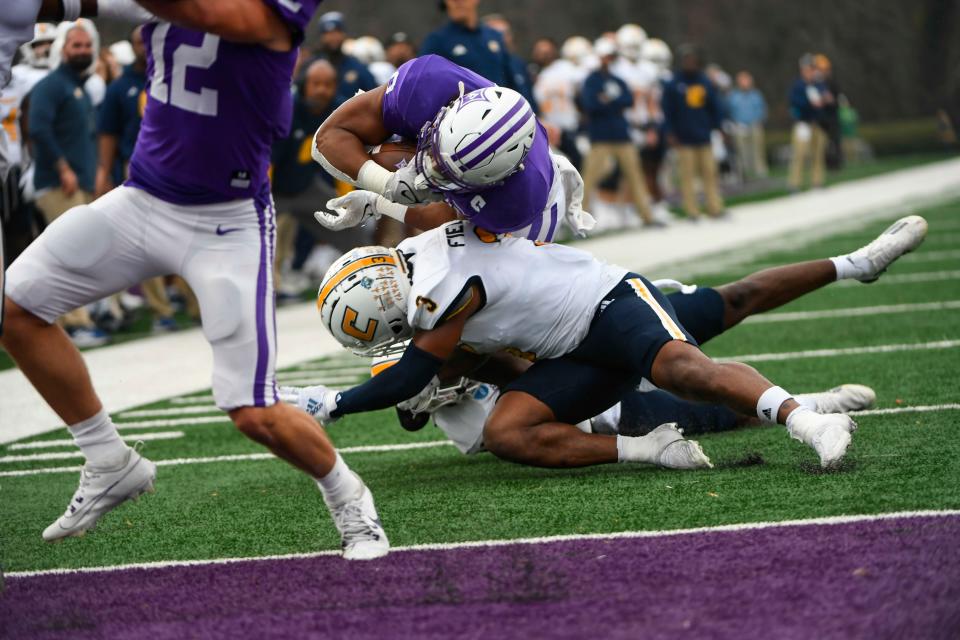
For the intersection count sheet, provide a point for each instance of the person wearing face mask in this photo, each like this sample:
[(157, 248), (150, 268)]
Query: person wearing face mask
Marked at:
[(62, 130)]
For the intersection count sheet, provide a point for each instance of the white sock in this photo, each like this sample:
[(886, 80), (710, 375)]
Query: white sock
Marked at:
[(99, 441), (636, 449), (340, 485), (850, 266), (807, 401)]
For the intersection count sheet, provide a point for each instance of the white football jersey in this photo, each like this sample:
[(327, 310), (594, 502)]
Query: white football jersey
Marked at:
[(23, 79), (641, 77), (539, 299), (556, 91)]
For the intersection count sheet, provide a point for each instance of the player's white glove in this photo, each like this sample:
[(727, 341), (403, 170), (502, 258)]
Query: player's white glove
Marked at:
[(319, 401), (404, 188), (421, 402), (349, 211), (356, 208)]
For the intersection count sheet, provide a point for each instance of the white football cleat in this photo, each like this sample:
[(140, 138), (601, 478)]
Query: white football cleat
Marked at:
[(843, 399), (828, 434), (677, 452), (100, 491), (361, 534), (903, 236)]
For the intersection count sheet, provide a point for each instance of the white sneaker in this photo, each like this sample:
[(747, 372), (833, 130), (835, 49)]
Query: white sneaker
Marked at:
[(361, 534), (100, 491), (828, 434), (903, 236), (676, 452), (842, 399)]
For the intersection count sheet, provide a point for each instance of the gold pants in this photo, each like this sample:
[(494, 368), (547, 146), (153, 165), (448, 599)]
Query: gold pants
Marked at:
[(625, 155), (52, 205), (694, 161), (810, 150), (751, 151)]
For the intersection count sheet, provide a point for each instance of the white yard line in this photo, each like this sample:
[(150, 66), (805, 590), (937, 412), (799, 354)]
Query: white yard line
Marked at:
[(917, 409), (312, 380), (67, 442), (474, 544), (852, 312), (905, 278), (174, 422), (240, 457), (207, 399), (850, 351), (320, 370), (931, 256)]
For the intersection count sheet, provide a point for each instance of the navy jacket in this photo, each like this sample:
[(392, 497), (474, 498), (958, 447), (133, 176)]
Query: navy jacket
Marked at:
[(352, 75), (604, 98), (62, 125), (293, 167), (801, 108), (691, 108), (521, 81), (120, 112), (481, 50)]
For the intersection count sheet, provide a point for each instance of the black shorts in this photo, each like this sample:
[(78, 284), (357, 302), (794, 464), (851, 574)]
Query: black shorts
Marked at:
[(632, 324)]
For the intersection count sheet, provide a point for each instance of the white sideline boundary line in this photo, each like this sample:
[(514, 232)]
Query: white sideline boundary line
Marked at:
[(904, 278), (238, 457), (829, 353), (383, 448), (474, 544), (68, 442), (852, 312)]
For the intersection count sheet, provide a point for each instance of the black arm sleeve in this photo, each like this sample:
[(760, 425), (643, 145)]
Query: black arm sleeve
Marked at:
[(402, 381)]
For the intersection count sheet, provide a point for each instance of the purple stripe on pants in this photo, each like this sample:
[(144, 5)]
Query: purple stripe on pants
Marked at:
[(263, 341)]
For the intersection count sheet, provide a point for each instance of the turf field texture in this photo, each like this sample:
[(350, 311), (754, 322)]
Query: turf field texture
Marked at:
[(220, 496)]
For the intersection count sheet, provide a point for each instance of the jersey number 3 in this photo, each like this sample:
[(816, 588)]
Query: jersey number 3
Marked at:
[(176, 93)]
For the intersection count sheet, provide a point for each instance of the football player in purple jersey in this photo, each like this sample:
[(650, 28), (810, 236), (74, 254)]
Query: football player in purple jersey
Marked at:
[(197, 204)]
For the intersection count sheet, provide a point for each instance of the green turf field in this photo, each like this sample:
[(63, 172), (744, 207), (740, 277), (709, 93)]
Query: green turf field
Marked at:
[(899, 461)]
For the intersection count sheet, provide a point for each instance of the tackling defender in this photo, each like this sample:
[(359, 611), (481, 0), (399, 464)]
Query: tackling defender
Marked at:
[(479, 146), (460, 405), (197, 204), (594, 331)]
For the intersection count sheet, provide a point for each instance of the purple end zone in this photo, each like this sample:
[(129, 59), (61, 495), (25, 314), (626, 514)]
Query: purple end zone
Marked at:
[(879, 579)]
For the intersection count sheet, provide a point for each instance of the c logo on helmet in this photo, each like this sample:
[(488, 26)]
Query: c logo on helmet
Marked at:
[(349, 325)]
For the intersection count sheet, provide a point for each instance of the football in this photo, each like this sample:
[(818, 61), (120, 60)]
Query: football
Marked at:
[(393, 155)]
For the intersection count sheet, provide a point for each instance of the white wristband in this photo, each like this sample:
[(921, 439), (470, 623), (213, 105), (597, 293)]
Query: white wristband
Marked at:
[(126, 10), (71, 10), (373, 177), (768, 406), (391, 209)]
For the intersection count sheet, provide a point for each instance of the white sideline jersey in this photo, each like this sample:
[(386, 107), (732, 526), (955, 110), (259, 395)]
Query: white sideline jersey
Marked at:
[(641, 77), (539, 298), (556, 91), (23, 79)]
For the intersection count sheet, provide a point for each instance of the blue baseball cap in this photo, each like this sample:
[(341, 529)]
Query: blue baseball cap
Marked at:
[(331, 21)]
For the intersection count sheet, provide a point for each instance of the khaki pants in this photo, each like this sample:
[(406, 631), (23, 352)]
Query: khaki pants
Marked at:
[(804, 146), (693, 162), (751, 151), (286, 238), (625, 155), (52, 205), (155, 293)]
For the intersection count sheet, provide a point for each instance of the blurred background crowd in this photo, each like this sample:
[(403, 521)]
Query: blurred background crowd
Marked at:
[(661, 133)]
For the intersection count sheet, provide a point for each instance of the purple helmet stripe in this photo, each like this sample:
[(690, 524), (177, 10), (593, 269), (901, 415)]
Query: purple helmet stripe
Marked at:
[(493, 148), (492, 131)]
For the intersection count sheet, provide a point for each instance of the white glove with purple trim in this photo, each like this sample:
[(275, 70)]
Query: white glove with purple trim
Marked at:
[(319, 401)]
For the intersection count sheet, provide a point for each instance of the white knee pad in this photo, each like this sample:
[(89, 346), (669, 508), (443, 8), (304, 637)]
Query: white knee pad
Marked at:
[(80, 238), (219, 309)]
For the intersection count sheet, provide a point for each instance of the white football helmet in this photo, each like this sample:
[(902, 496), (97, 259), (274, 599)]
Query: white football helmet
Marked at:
[(577, 50), (477, 141), (43, 33), (368, 50), (630, 39), (363, 300), (656, 51)]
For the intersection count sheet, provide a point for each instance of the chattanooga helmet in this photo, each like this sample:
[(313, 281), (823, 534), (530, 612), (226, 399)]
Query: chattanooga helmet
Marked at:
[(477, 141), (656, 51), (630, 39), (363, 300), (577, 50), (368, 50), (43, 33)]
